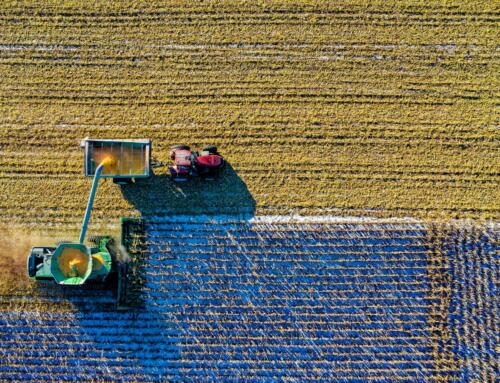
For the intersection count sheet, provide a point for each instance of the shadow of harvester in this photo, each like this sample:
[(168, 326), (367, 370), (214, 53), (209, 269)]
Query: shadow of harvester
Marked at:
[(160, 195)]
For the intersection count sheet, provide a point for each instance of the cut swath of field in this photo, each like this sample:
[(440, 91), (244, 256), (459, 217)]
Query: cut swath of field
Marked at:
[(353, 108), (226, 299)]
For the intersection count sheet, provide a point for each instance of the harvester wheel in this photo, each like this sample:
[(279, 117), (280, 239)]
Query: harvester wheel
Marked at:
[(95, 239), (180, 147), (212, 149)]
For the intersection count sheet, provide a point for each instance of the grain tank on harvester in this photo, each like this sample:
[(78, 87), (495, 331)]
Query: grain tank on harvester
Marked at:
[(75, 263)]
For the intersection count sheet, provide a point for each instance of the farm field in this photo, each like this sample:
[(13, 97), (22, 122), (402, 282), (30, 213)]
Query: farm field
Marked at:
[(353, 236), (320, 107), (273, 298)]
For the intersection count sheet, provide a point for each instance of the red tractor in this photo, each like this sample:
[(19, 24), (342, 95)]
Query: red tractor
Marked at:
[(188, 163)]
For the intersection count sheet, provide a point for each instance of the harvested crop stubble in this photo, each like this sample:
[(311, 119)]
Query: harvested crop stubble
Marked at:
[(366, 107), (352, 299)]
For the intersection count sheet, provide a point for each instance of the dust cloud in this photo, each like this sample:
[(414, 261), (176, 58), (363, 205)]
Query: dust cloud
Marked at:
[(15, 246), (119, 251)]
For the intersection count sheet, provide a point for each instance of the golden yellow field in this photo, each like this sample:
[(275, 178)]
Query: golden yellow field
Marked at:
[(366, 108)]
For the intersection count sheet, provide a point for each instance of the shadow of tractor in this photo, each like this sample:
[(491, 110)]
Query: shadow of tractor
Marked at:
[(160, 195)]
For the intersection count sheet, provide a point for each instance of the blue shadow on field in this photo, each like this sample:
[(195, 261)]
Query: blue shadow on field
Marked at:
[(160, 195)]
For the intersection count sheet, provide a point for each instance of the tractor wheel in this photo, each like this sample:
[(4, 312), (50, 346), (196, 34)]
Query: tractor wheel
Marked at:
[(180, 147), (212, 149), (123, 181)]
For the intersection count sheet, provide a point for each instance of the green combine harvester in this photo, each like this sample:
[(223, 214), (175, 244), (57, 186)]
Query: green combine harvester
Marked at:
[(71, 263), (75, 263)]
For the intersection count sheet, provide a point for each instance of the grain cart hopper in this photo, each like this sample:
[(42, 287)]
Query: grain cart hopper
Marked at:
[(132, 159), (70, 263)]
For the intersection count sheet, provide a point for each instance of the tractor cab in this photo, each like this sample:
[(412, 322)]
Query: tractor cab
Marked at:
[(187, 163), (182, 168)]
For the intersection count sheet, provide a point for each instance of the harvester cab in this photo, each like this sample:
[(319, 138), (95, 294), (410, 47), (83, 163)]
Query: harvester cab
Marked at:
[(39, 262)]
